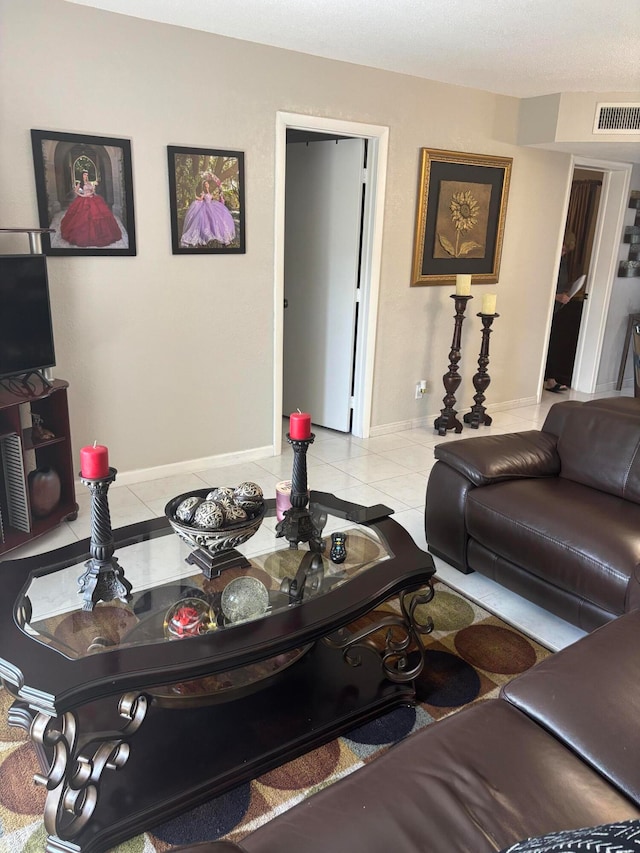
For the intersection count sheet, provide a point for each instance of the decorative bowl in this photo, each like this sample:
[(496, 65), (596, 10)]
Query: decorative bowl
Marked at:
[(213, 540)]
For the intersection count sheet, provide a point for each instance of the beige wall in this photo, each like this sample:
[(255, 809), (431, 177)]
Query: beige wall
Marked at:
[(170, 357)]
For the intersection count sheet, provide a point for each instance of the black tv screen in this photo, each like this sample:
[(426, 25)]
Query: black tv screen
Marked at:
[(26, 334)]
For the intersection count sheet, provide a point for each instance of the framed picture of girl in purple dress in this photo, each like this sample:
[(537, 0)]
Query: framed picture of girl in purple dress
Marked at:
[(85, 193), (206, 193)]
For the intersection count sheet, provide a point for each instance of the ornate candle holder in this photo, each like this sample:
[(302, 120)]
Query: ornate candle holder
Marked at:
[(481, 380), (297, 524), (447, 418), (103, 579)]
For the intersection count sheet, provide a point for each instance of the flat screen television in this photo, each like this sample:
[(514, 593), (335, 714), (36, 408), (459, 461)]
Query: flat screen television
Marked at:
[(26, 333)]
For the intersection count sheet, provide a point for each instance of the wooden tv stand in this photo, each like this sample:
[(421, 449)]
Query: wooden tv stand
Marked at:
[(22, 452)]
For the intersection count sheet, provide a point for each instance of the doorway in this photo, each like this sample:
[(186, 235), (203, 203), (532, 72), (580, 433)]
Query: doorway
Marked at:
[(614, 192), (368, 239), (580, 230), (325, 194)]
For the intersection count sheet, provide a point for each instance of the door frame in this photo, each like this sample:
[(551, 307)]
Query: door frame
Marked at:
[(378, 137), (602, 267)]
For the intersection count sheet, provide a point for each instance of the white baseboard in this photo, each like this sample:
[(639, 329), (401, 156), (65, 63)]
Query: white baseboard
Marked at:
[(427, 421), (191, 466)]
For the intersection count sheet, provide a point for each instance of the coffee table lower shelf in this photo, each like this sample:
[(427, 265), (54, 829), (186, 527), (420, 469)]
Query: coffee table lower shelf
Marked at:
[(180, 758)]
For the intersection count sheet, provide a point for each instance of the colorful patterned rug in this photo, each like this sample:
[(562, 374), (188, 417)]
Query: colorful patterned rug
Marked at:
[(470, 655)]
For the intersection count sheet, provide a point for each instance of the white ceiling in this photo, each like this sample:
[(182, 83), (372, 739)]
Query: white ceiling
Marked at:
[(521, 48), (511, 47)]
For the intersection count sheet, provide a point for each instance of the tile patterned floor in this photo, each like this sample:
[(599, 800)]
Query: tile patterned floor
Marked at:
[(390, 469)]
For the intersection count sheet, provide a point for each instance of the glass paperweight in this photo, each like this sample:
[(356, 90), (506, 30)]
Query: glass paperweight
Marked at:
[(244, 598), (188, 617)]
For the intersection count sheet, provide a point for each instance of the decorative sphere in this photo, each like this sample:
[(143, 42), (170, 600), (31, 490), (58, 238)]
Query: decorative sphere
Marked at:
[(244, 598), (188, 617), (187, 508), (248, 491), (221, 493), (209, 514), (234, 513)]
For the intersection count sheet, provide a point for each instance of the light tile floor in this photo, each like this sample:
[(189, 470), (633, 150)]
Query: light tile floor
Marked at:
[(389, 469)]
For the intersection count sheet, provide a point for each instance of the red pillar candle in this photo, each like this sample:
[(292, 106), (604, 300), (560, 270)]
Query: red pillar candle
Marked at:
[(94, 462), (300, 425)]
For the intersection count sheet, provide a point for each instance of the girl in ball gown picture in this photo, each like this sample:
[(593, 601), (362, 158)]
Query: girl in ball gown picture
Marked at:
[(88, 220), (207, 219)]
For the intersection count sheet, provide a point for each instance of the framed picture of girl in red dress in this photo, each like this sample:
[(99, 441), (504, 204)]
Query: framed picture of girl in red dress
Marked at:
[(85, 193), (206, 194)]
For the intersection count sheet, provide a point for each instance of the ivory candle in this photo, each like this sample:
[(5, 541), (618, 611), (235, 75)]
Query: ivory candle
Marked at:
[(463, 285), (489, 303)]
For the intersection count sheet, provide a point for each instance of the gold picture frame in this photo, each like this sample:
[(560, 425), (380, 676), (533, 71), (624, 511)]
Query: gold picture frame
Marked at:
[(462, 206)]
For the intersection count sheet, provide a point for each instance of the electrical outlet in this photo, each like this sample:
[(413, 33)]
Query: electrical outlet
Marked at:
[(421, 389)]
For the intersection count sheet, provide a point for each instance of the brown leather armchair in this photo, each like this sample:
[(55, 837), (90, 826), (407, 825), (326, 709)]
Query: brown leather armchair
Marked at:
[(552, 514)]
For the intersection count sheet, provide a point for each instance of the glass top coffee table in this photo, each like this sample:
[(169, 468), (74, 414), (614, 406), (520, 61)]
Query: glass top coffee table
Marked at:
[(195, 684)]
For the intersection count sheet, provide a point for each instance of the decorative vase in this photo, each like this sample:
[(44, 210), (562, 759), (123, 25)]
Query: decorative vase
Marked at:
[(44, 490)]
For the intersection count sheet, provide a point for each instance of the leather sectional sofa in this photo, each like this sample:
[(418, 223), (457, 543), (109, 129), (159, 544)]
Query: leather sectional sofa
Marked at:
[(557, 751), (552, 514)]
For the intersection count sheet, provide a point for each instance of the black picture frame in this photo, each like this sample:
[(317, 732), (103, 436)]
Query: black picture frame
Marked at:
[(206, 197), (462, 205), (60, 162)]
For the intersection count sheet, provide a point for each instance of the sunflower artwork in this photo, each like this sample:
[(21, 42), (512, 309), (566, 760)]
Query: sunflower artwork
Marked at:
[(462, 220)]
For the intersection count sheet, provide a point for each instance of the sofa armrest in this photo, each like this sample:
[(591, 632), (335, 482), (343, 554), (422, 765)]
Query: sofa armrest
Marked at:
[(211, 847), (488, 459)]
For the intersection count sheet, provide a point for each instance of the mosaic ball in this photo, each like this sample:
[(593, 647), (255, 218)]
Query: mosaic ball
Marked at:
[(209, 514), (234, 513), (250, 507), (186, 509), (221, 493), (248, 491)]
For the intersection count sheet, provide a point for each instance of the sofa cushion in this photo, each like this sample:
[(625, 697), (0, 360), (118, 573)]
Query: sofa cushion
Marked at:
[(454, 787), (621, 837), (588, 696), (577, 538), (600, 448)]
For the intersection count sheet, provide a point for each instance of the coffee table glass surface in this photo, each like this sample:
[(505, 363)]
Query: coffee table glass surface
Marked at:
[(178, 625), (172, 599)]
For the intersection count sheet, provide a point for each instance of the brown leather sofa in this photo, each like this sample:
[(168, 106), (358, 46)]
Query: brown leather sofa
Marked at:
[(552, 514), (557, 751)]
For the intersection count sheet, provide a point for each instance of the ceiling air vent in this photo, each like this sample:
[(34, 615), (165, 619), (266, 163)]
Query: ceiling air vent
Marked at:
[(617, 118)]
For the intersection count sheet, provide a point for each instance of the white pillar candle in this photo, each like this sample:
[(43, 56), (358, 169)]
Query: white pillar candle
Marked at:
[(489, 303), (463, 285)]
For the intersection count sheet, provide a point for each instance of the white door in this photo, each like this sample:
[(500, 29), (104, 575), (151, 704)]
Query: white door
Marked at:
[(323, 215)]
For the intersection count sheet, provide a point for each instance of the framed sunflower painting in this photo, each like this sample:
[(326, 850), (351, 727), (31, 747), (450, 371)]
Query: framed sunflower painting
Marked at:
[(462, 205)]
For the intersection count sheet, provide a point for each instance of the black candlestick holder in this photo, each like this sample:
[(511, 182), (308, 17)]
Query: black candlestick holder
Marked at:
[(297, 524), (448, 415), (103, 579), (478, 414)]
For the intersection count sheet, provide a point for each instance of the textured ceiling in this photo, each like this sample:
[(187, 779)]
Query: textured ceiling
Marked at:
[(513, 47)]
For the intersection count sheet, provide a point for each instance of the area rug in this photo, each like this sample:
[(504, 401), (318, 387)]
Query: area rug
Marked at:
[(470, 655)]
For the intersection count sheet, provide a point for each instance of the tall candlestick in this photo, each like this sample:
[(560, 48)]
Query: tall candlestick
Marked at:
[(489, 303), (463, 285), (478, 414), (94, 462), (447, 418), (103, 578), (300, 425), (297, 525)]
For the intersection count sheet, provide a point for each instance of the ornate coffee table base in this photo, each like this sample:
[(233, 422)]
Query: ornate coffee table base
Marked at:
[(312, 702)]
